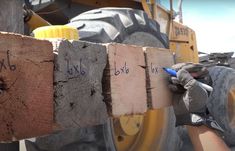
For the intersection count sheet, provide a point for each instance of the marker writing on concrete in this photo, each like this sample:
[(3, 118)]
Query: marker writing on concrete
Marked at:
[(173, 73)]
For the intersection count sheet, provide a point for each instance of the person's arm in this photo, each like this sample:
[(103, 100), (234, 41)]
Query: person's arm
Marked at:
[(205, 139), (190, 107)]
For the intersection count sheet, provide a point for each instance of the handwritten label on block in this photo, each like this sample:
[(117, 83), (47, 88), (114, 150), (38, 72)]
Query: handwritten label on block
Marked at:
[(159, 94), (127, 93)]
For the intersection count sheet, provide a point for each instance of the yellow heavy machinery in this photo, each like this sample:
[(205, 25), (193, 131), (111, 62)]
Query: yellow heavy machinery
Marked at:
[(143, 23)]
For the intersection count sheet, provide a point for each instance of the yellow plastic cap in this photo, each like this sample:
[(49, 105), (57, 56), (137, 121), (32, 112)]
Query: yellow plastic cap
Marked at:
[(56, 31)]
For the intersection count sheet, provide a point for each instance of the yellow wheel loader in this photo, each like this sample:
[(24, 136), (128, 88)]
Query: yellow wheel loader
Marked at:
[(133, 22)]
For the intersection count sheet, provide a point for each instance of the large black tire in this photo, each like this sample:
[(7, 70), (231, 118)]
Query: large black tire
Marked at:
[(122, 25), (223, 80)]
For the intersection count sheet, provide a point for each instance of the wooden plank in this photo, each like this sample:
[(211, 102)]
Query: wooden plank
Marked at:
[(124, 85), (78, 90), (159, 94), (26, 83), (11, 16)]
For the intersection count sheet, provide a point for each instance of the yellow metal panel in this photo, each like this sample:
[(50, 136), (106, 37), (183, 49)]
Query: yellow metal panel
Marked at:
[(183, 43), (193, 45), (163, 18), (179, 32), (146, 8), (181, 51)]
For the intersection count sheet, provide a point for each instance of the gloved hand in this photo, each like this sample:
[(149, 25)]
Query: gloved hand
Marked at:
[(197, 71), (189, 98)]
